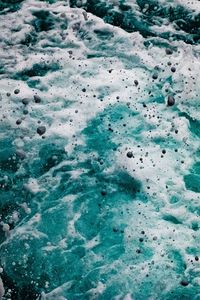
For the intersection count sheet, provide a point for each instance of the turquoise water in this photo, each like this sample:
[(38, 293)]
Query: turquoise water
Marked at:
[(100, 150)]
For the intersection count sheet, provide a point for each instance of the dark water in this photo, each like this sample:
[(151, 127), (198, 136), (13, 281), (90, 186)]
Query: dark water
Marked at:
[(99, 150)]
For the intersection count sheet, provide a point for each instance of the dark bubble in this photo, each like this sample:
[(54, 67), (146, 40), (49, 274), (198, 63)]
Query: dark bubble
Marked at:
[(103, 193), (25, 112), (184, 282), (25, 101), (16, 91), (129, 154), (168, 51), (170, 101), (41, 130), (173, 69), (155, 76), (37, 99), (18, 122), (136, 82)]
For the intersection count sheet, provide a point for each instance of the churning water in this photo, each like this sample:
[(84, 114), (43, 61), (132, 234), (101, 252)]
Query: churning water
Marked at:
[(100, 150)]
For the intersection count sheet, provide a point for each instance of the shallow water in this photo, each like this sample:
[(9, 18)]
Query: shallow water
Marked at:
[(100, 150)]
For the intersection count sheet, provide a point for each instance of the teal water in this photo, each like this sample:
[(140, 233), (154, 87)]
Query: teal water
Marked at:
[(100, 150)]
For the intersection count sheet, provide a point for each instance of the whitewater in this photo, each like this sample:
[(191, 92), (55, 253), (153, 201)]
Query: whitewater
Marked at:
[(100, 150)]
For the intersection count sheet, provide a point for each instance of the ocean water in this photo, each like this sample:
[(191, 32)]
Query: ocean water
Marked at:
[(100, 150)]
